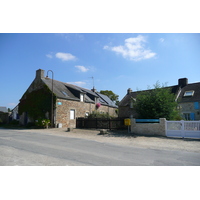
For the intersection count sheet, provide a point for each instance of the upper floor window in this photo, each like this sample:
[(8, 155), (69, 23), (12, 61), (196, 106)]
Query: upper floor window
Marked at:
[(189, 93), (64, 93), (81, 97), (97, 99)]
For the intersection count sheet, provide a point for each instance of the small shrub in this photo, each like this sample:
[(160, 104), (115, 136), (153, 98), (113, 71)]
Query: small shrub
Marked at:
[(43, 123), (96, 114)]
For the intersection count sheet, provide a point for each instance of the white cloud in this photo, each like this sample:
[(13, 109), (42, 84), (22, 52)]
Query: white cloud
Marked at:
[(82, 68), (78, 83), (11, 105), (161, 40), (49, 56), (65, 56), (106, 47), (133, 49)]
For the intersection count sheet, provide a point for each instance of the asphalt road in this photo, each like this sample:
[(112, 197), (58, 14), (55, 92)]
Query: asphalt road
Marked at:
[(18, 147)]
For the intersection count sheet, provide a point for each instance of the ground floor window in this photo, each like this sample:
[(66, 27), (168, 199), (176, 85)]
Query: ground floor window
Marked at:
[(186, 116), (72, 114), (189, 116)]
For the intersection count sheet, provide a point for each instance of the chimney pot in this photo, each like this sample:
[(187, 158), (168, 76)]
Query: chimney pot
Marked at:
[(39, 74), (129, 91), (93, 90), (182, 82)]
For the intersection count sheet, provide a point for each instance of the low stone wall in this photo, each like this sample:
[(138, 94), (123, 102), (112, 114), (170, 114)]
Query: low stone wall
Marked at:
[(149, 128)]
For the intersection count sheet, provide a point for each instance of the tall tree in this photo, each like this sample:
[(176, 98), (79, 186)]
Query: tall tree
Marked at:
[(156, 103)]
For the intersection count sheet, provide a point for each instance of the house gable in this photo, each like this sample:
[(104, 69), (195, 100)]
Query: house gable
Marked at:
[(65, 96)]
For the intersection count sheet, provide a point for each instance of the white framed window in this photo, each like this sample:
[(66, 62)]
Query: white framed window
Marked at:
[(72, 114), (81, 97), (189, 93), (64, 93)]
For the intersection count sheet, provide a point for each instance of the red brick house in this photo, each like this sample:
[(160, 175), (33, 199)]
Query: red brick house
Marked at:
[(69, 102)]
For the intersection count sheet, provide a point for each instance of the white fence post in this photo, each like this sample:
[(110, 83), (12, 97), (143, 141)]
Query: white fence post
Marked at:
[(183, 129)]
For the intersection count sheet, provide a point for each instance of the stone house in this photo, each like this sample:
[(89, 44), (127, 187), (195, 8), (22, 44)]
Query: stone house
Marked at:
[(14, 114), (187, 96), (4, 115), (69, 102)]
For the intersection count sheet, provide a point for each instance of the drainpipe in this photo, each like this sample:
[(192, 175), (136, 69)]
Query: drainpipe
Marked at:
[(178, 94)]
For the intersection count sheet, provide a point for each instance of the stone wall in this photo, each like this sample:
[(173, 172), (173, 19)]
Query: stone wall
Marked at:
[(149, 128), (63, 108), (190, 108), (126, 111)]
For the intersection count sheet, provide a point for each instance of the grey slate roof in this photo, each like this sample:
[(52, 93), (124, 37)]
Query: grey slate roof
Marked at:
[(72, 92), (59, 89), (104, 100), (174, 89), (196, 97)]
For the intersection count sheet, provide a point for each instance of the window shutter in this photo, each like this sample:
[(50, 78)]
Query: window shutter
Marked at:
[(196, 105), (191, 116)]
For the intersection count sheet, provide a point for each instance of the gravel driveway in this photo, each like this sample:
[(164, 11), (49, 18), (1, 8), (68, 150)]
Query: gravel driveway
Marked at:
[(123, 138)]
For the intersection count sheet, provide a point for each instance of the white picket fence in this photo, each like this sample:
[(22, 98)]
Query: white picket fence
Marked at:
[(183, 129)]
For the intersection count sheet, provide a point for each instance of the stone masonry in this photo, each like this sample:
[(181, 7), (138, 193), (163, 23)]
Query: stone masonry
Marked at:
[(149, 128), (63, 108)]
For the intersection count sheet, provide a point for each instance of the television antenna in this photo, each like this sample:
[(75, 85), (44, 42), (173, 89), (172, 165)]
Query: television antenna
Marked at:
[(92, 81)]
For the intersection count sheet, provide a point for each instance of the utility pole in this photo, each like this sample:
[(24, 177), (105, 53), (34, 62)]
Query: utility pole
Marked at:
[(52, 111), (92, 81)]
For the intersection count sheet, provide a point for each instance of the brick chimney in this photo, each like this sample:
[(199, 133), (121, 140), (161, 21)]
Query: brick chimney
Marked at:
[(182, 82), (93, 90), (39, 74), (129, 91)]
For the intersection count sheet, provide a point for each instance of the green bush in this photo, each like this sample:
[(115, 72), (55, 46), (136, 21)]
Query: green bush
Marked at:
[(96, 114), (156, 103), (43, 123)]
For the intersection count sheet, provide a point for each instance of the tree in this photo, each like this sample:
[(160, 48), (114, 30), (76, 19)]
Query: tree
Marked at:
[(156, 103), (114, 97)]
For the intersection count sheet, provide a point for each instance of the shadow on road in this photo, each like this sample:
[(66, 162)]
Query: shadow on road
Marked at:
[(125, 134)]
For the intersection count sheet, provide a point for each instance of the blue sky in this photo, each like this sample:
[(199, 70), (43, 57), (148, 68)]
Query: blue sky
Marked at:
[(117, 61)]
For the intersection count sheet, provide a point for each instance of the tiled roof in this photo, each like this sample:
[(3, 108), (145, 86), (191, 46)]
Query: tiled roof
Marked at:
[(72, 92), (190, 87), (104, 100), (176, 89)]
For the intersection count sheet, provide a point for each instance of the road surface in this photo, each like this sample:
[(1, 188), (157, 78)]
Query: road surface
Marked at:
[(42, 148)]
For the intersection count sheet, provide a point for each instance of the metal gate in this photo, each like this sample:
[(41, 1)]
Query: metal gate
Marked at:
[(183, 129)]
